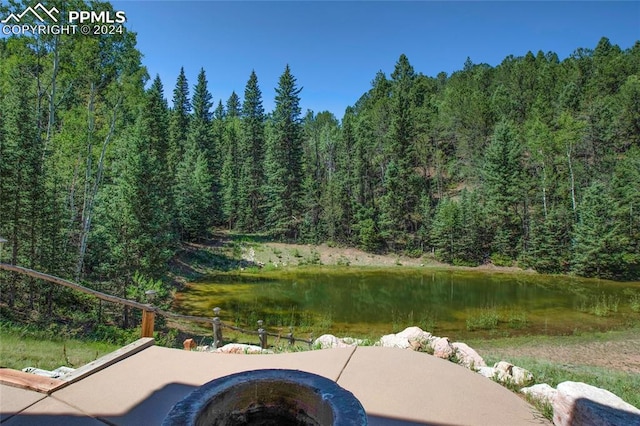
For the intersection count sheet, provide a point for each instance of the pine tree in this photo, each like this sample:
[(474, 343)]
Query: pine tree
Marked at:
[(178, 123), (629, 118), (445, 231), (218, 125), (551, 241), (20, 178), (250, 214), (283, 161), (472, 234), (400, 198), (201, 138), (233, 106), (153, 129), (503, 177), (626, 198), (199, 126), (344, 183), (230, 177), (597, 247), (193, 194), (155, 120)]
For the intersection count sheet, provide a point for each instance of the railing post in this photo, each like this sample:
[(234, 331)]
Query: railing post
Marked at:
[(148, 315), (148, 319), (262, 334), (217, 328)]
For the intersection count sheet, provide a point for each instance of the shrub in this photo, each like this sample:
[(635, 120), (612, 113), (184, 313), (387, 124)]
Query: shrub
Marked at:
[(484, 319)]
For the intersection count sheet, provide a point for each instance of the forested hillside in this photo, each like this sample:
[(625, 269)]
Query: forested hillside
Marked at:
[(534, 162)]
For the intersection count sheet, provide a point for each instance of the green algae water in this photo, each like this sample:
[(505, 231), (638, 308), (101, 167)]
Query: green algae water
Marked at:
[(371, 302)]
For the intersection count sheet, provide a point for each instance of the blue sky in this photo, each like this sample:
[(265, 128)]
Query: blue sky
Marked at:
[(335, 48)]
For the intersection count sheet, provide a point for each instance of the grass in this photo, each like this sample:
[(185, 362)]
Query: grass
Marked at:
[(600, 306), (634, 299), (625, 385), (515, 342), (635, 303), (483, 319), (22, 347)]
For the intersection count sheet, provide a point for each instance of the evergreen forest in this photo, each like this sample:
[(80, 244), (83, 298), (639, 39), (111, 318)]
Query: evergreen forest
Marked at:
[(534, 162)]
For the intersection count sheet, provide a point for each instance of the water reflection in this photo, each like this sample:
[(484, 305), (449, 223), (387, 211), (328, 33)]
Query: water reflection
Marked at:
[(372, 302)]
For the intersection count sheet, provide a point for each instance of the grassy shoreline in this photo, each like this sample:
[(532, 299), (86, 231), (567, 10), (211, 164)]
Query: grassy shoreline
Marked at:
[(23, 346)]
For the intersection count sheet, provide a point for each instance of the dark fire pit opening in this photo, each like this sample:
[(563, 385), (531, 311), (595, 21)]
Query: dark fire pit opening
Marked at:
[(268, 397)]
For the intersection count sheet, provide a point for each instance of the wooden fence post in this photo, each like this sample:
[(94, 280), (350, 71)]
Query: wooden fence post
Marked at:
[(148, 319), (262, 334), (217, 328), (148, 315)]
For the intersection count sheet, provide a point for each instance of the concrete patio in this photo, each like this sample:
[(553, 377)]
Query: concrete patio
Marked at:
[(139, 384)]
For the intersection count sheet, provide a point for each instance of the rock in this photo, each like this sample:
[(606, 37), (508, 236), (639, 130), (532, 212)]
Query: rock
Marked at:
[(520, 376), (350, 341), (442, 348), (578, 403), (488, 372), (415, 334), (417, 346), (410, 338), (189, 344), (503, 371), (237, 348), (394, 341), (542, 392), (510, 374), (507, 373), (503, 366), (467, 356), (326, 341)]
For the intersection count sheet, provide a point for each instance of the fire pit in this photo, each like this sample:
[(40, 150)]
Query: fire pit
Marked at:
[(268, 397)]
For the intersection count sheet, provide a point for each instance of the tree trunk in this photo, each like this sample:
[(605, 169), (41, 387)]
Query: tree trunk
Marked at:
[(91, 191), (573, 185)]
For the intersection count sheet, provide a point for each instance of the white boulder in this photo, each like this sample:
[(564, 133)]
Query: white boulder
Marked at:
[(238, 348), (410, 338), (520, 376), (507, 373), (328, 341), (394, 341), (415, 334), (442, 348), (467, 356), (541, 392), (488, 372), (350, 341), (578, 403)]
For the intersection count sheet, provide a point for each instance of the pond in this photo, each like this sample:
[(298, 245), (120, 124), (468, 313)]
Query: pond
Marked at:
[(362, 302)]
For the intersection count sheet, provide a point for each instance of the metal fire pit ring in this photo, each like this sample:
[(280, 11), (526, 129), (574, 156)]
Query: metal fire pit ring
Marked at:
[(268, 397)]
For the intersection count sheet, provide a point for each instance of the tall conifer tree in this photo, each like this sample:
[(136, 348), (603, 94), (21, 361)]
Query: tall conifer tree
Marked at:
[(251, 214), (178, 122), (283, 162), (399, 200)]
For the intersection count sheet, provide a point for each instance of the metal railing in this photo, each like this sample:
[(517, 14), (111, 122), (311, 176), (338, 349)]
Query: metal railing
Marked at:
[(149, 311)]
